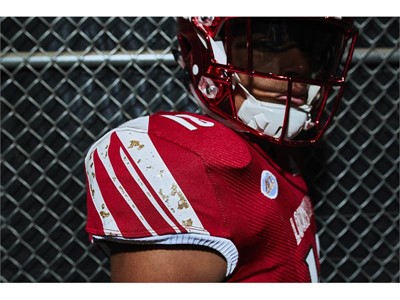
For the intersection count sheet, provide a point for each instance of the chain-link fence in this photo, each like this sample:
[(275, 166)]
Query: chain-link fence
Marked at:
[(66, 81)]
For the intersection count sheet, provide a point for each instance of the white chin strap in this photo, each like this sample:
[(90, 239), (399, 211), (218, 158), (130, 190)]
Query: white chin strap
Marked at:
[(269, 117)]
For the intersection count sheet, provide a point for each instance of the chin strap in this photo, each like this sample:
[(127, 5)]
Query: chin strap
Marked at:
[(268, 117)]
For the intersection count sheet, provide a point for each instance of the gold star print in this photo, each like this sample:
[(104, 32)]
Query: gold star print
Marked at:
[(163, 197), (103, 213), (135, 143), (174, 188), (187, 223), (182, 203), (92, 190)]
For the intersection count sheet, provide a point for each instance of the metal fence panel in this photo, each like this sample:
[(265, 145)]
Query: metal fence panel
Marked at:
[(66, 81)]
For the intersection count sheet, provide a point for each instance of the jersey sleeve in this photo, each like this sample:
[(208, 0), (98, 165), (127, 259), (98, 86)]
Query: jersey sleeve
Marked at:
[(143, 188)]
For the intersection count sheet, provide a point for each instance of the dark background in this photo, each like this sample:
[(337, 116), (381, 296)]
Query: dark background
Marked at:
[(52, 111)]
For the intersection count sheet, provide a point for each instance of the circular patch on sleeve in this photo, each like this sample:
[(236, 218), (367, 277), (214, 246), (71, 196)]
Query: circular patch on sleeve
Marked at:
[(269, 185)]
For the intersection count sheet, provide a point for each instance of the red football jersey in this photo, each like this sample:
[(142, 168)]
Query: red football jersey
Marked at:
[(174, 178)]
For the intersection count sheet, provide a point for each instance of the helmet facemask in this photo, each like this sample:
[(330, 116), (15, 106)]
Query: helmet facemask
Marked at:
[(270, 77)]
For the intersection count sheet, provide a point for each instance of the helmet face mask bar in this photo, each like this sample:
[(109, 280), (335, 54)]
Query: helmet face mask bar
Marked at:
[(274, 78)]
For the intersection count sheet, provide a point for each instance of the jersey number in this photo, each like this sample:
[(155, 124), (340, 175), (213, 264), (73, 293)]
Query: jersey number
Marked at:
[(182, 119)]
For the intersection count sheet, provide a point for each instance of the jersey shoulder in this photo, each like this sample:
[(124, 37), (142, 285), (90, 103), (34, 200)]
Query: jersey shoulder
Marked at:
[(209, 139), (215, 143), (159, 166)]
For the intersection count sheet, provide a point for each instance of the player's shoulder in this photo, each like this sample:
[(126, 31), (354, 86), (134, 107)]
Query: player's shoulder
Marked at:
[(200, 134), (205, 136), (177, 126)]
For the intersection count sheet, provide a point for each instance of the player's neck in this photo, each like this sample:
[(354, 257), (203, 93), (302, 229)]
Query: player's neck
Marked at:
[(289, 159)]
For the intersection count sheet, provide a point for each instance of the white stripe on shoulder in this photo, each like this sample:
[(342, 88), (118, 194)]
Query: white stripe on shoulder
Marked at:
[(109, 225), (146, 191), (140, 124), (154, 169), (103, 154)]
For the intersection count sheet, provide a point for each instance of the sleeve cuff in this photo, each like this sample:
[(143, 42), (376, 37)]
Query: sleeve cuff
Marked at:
[(222, 245)]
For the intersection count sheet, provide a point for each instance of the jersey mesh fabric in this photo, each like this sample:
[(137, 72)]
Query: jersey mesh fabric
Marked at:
[(187, 174)]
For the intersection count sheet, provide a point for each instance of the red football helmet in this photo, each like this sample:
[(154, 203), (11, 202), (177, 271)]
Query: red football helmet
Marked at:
[(277, 78)]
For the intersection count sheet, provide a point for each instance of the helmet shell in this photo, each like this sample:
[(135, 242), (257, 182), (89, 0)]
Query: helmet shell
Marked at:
[(213, 75)]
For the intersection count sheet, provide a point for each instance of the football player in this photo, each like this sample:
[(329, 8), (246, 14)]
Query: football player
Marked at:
[(183, 197)]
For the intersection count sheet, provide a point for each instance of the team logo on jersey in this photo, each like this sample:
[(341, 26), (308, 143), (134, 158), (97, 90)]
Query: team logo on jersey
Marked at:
[(269, 185)]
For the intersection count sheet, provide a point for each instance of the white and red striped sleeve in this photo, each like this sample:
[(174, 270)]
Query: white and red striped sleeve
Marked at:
[(134, 196)]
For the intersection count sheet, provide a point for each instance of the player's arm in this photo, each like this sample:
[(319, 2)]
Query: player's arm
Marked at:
[(135, 263)]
